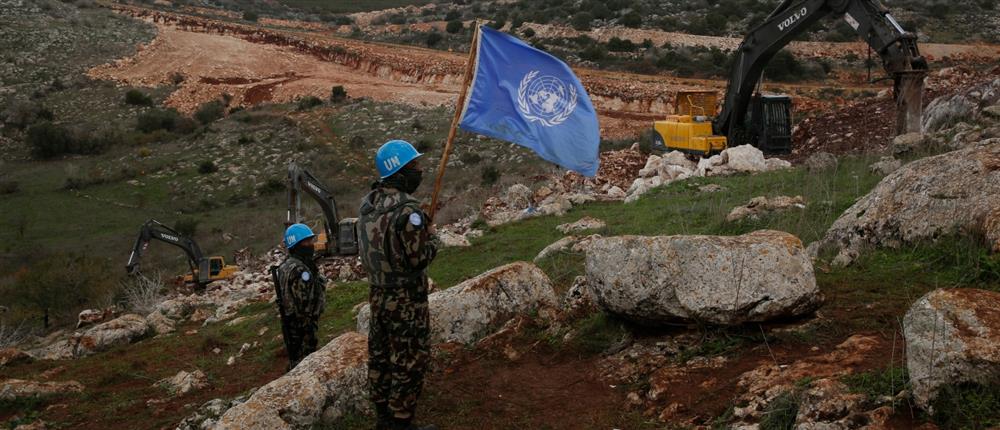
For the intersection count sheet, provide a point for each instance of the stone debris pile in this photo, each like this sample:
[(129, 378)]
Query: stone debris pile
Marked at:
[(761, 206)]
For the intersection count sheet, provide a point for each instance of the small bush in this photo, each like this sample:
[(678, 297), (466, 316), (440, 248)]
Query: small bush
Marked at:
[(357, 142), (781, 412), (967, 406), (9, 187), (470, 158), (338, 94), (433, 38), (138, 98), (621, 45), (455, 26), (423, 145), (490, 175), (528, 32), (187, 226), (142, 294), (210, 111), (452, 15), (245, 140), (176, 78), (309, 102), (48, 140), (250, 16), (207, 167), (157, 119), (581, 21), (271, 186)]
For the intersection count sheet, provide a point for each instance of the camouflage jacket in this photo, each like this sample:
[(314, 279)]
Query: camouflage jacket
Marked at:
[(393, 240), (302, 292)]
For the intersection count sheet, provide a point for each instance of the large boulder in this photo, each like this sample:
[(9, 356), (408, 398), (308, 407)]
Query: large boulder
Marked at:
[(952, 337), (321, 389), (949, 109), (820, 161), (755, 277), (479, 306), (102, 337), (745, 158), (947, 194)]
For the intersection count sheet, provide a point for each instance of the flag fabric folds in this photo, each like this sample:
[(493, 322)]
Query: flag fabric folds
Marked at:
[(526, 96)]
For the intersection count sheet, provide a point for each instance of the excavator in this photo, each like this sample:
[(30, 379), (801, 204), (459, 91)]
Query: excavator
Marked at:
[(749, 117), (204, 270), (329, 242)]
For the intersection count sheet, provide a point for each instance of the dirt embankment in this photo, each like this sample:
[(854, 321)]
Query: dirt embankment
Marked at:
[(255, 65)]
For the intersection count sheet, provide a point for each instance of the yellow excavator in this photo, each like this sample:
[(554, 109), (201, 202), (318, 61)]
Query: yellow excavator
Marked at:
[(204, 270), (338, 237), (764, 121)]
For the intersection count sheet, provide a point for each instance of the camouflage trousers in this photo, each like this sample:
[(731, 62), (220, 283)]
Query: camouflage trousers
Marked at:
[(398, 347), (300, 339)]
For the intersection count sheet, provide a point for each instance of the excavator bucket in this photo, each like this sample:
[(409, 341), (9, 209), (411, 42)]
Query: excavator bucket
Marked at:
[(909, 101)]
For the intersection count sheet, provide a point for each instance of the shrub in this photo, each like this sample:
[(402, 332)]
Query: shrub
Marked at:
[(357, 142), (490, 175), (250, 16), (245, 140), (210, 111), (581, 21), (452, 15), (23, 114), (593, 53), (59, 286), (338, 94), (454, 26), (9, 187), (620, 45), (157, 119), (309, 102), (141, 294), (528, 32), (48, 140), (138, 98), (206, 167), (176, 78), (631, 20), (470, 158), (271, 186), (423, 145), (433, 38)]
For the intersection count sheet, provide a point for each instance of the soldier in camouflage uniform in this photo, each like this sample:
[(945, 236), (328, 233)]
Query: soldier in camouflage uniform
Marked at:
[(397, 242), (301, 294)]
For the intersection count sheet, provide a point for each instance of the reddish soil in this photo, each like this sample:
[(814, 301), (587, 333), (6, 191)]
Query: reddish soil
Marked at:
[(543, 389)]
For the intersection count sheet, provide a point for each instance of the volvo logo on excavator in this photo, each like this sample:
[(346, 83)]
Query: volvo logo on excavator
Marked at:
[(169, 237), (792, 19)]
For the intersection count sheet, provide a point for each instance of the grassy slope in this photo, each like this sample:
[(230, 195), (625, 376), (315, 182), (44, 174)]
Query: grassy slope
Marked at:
[(870, 296)]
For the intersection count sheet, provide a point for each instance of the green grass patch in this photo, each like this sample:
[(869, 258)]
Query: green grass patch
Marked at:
[(968, 406), (781, 412), (878, 382), (596, 333)]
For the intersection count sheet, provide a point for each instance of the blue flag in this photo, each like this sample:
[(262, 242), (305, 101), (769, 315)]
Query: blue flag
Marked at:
[(526, 96)]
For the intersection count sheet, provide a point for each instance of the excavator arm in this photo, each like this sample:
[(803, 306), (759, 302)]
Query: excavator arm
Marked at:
[(340, 236), (155, 230), (897, 48)]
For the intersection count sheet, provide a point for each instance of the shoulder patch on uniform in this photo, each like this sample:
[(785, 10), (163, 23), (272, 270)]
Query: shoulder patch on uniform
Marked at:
[(306, 276), (416, 219)]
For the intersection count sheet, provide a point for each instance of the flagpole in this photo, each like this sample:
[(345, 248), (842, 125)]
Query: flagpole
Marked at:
[(454, 121)]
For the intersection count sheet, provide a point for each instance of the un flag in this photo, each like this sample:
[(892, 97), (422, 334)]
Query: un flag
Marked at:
[(526, 96)]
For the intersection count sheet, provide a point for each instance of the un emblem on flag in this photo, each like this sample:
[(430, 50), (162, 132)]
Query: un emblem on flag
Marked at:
[(545, 99)]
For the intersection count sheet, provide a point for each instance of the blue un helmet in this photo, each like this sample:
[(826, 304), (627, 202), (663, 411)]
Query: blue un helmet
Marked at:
[(296, 233), (393, 155)]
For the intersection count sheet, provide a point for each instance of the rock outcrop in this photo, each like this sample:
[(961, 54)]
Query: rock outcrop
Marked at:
[(761, 205), (948, 194), (184, 382), (821, 161), (949, 109), (479, 306), (321, 389), (952, 337), (718, 279), (13, 389), (13, 356), (119, 331), (583, 224)]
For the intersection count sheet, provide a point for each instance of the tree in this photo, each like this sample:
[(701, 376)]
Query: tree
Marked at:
[(452, 15), (454, 26), (433, 39), (631, 20), (581, 21), (250, 16), (59, 286)]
